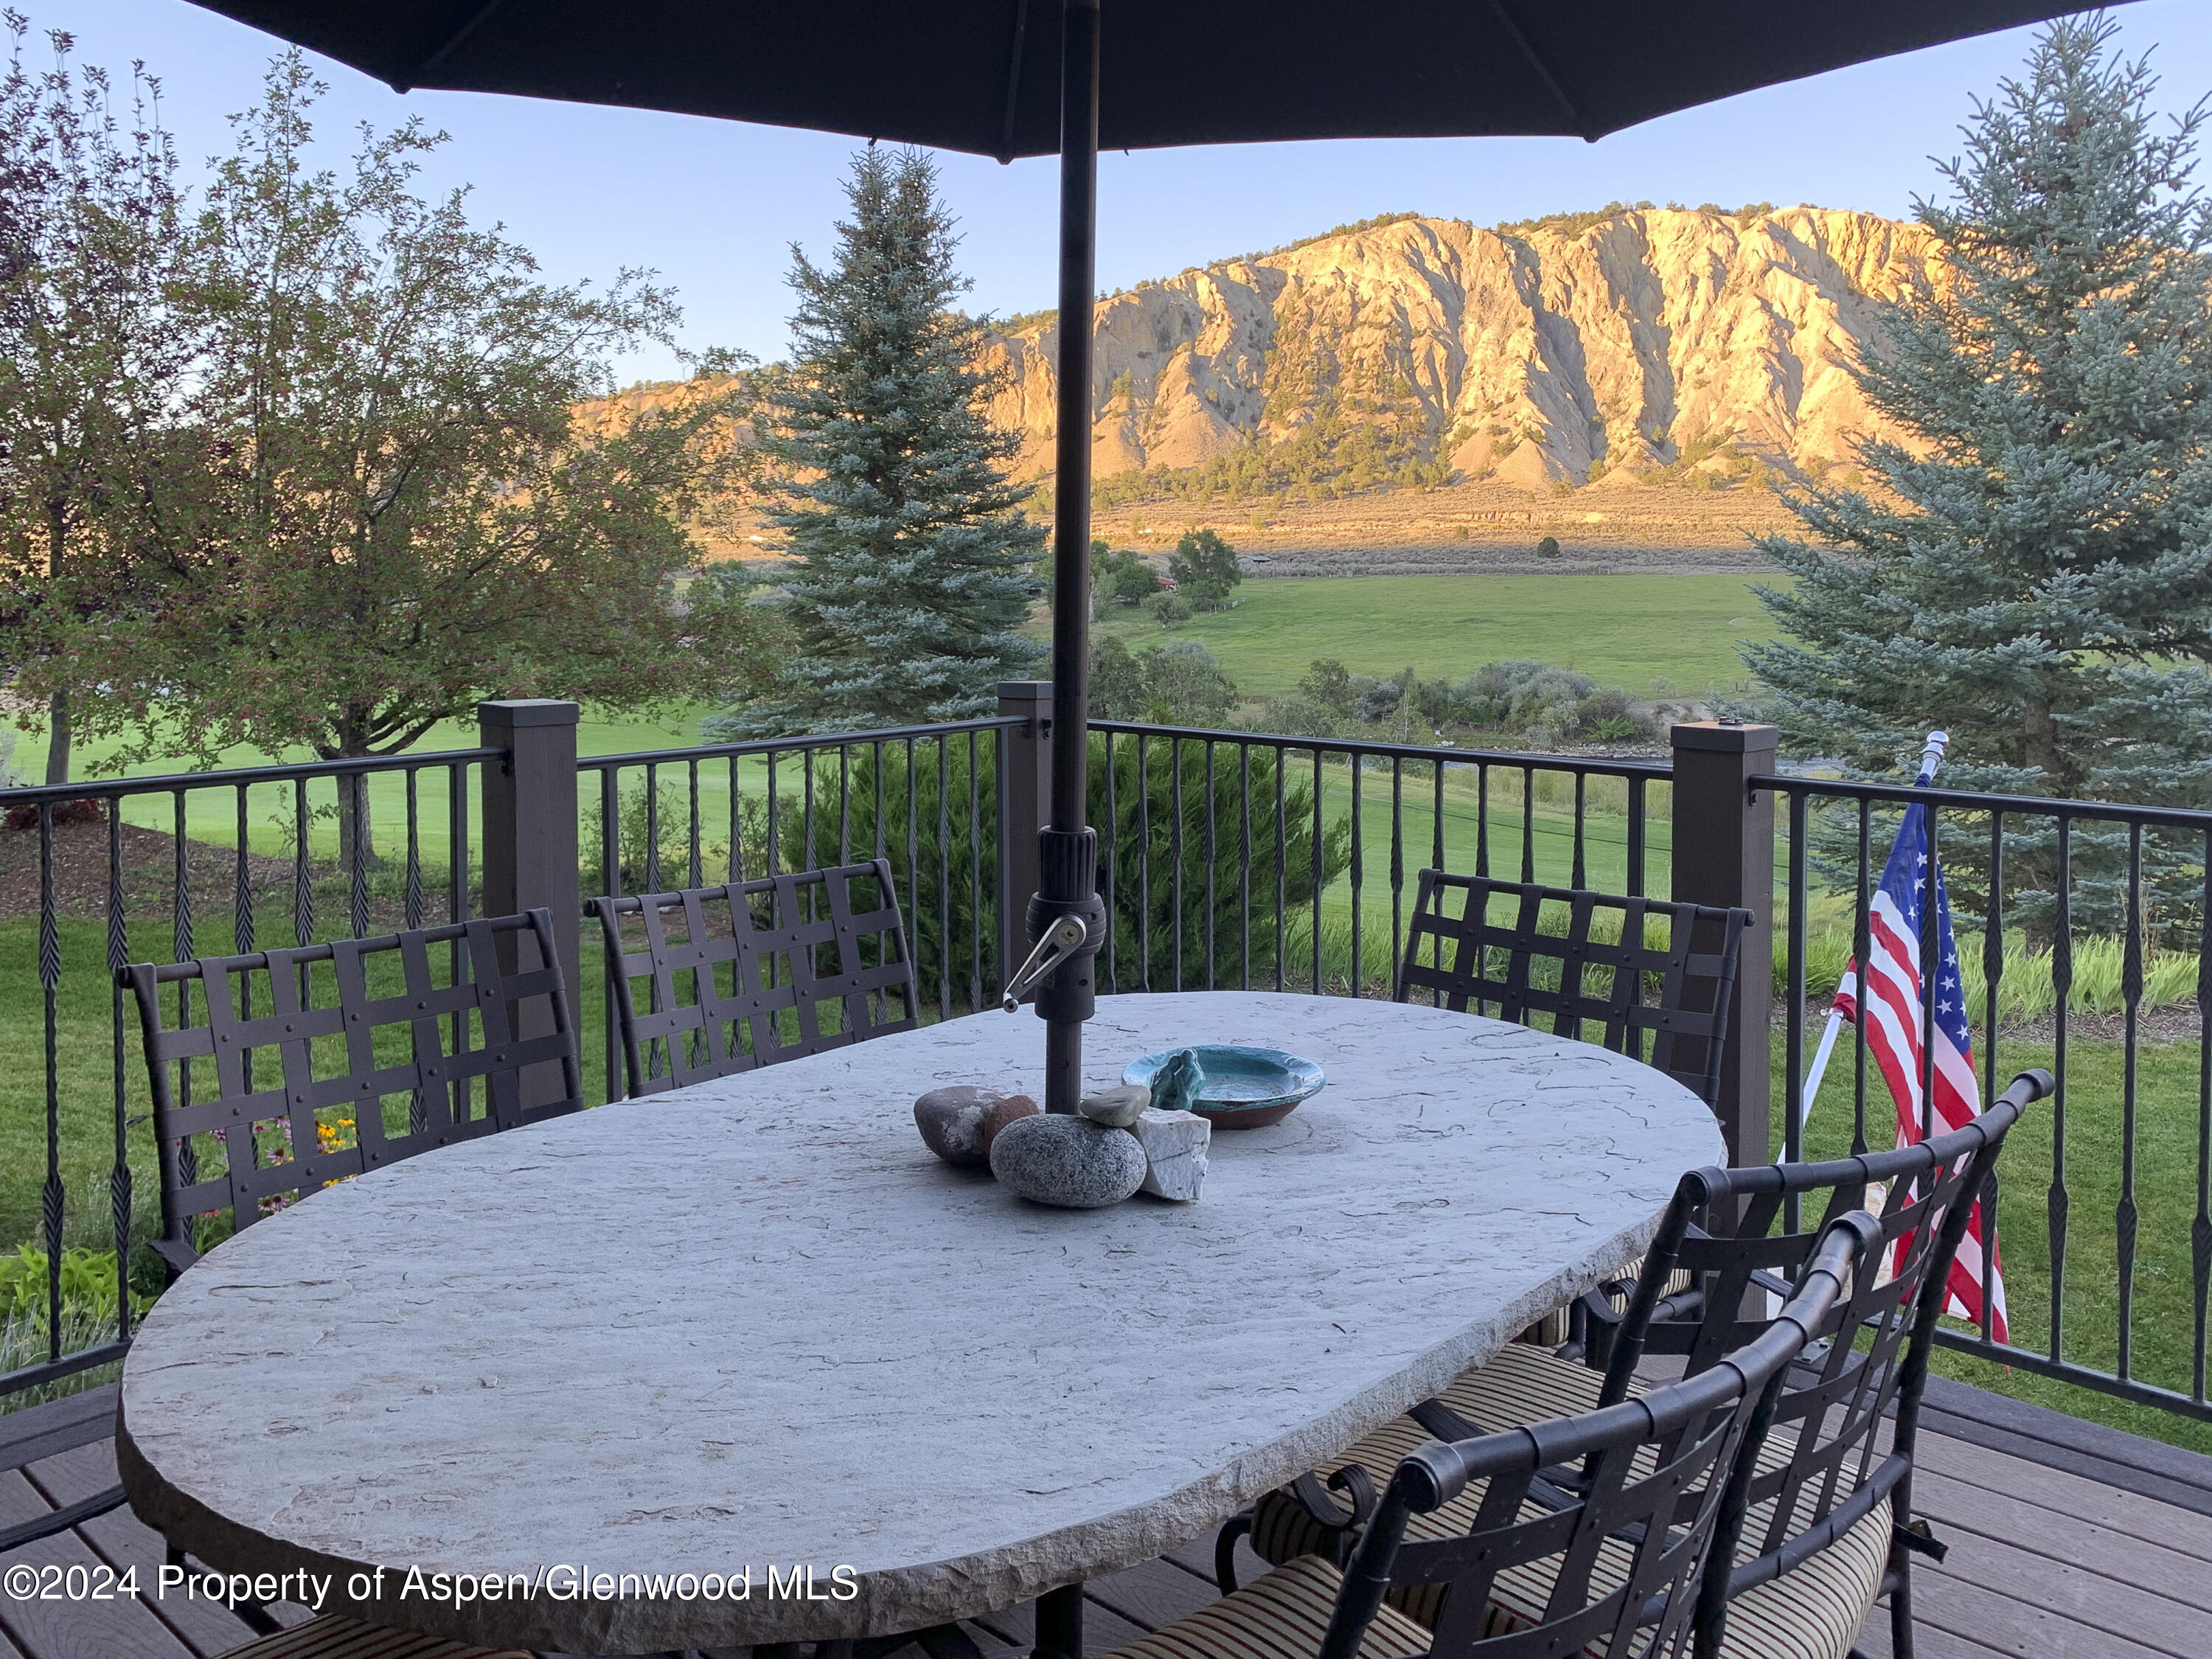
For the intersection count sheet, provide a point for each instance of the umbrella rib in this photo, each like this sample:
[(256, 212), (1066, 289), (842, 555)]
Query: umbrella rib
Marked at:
[(1543, 71), (452, 39), (1013, 81)]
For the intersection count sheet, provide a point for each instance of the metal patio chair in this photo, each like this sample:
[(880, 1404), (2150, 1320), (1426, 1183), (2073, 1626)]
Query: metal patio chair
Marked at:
[(1603, 1530), (288, 1071), (753, 972), (1496, 958), (1829, 1525), (280, 1073)]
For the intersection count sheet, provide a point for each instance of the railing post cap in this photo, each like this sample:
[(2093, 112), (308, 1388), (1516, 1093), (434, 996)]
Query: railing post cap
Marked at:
[(1726, 737), (513, 712), (1024, 690)]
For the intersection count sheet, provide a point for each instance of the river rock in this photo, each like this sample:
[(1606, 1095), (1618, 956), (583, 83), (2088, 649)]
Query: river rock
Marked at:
[(1006, 1111), (951, 1122), (1117, 1108), (1175, 1145), (1067, 1161)]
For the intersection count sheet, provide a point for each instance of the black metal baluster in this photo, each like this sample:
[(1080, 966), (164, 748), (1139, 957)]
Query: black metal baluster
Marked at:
[(1528, 824), (456, 905), (610, 884), (652, 830), (1397, 860), (2200, 1230), (1435, 858), (845, 797), (358, 907), (913, 871), (50, 983), (736, 871), (411, 896), (807, 758), (876, 775), (1358, 905), (1174, 861), (241, 918), (2062, 990), (1107, 862), (2125, 1217), (1581, 780), (943, 880), (1636, 810), (1212, 858), (698, 867), (1482, 817), (303, 888), (1245, 861), (1862, 948), (1144, 863), (1282, 858), (1314, 910), (774, 820), (1795, 1104), (181, 936), (974, 875), (1931, 970), (119, 1174), (1992, 982)]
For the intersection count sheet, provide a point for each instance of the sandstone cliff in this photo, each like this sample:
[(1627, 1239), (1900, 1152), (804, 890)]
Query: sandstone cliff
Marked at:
[(1573, 352)]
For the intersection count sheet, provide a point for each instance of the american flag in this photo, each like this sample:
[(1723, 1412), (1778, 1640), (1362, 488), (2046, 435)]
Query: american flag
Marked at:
[(1894, 1032)]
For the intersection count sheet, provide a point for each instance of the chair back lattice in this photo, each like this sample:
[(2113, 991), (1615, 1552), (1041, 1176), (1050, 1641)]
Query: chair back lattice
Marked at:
[(756, 972), (1615, 1513), (1872, 1357), (1581, 959), (279, 1073)]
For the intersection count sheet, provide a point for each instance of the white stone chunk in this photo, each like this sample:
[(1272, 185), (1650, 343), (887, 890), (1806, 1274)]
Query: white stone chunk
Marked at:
[(1174, 1152)]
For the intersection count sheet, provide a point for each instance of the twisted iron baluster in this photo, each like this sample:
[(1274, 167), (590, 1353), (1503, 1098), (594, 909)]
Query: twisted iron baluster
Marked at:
[(943, 877), (119, 1176), (1992, 979), (1862, 948), (181, 933), (1794, 1102), (974, 875), (1213, 857), (358, 911), (1397, 860), (1637, 808), (2126, 1216), (1359, 873), (1313, 911), (1581, 780), (1109, 859), (2062, 987), (1482, 817), (1144, 863), (2200, 1230), (50, 980), (1282, 857), (1174, 861), (1528, 824), (698, 872), (652, 833), (1245, 861)]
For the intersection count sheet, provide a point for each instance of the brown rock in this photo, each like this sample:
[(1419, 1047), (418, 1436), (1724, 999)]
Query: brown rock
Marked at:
[(1006, 1111)]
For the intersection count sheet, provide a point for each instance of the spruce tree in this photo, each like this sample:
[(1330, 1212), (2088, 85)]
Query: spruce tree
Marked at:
[(2035, 573), (912, 557)]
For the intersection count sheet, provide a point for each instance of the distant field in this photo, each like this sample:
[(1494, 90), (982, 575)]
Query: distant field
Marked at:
[(1626, 629)]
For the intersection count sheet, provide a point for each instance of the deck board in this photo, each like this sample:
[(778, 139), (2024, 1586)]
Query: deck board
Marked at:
[(2045, 1561)]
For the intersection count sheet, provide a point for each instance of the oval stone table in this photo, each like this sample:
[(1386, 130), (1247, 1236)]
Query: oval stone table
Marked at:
[(755, 1324)]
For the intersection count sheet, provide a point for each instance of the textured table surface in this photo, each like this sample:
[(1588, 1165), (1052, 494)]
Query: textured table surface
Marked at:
[(755, 1324)]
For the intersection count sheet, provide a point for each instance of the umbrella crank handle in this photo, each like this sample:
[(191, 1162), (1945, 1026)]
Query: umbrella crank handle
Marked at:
[(1061, 941)]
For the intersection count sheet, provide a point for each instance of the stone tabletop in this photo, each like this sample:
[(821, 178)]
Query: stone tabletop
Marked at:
[(755, 1324)]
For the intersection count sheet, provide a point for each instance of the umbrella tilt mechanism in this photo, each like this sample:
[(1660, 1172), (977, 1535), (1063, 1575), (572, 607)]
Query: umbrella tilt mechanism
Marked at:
[(1061, 941)]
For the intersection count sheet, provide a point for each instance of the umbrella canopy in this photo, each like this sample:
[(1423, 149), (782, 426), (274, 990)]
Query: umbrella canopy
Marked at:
[(983, 75), (1032, 77)]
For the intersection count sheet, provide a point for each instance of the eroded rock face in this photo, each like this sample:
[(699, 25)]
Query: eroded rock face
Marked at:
[(1532, 358)]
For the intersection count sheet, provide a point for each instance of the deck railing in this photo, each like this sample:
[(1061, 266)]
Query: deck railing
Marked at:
[(1227, 859)]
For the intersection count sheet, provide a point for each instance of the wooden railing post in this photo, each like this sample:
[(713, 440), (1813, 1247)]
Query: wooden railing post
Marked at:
[(1025, 797), (530, 846), (1723, 854)]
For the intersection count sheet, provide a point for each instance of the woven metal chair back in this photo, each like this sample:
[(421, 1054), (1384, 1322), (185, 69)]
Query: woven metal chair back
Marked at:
[(1581, 960), (274, 1074), (756, 972), (1615, 1513), (1871, 1360)]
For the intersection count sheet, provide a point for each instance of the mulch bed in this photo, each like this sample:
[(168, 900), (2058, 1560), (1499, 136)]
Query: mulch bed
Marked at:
[(149, 870), (2176, 1021)]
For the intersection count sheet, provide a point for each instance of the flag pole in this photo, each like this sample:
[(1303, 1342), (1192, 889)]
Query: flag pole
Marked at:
[(1931, 757)]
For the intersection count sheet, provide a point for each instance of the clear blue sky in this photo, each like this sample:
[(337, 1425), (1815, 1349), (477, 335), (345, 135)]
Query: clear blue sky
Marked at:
[(713, 206)]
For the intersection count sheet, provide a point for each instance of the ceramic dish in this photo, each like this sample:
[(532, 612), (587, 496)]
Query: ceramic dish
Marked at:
[(1239, 1088)]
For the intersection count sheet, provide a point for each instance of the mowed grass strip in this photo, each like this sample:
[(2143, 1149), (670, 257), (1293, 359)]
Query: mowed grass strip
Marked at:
[(1629, 629)]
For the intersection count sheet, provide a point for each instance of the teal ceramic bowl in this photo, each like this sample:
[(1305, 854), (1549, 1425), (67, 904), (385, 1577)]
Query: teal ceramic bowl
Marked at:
[(1241, 1088)]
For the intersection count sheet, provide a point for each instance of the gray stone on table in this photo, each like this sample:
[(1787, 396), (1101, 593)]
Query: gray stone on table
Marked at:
[(1175, 1145), (750, 1319), (1117, 1108), (1067, 1162), (952, 1120)]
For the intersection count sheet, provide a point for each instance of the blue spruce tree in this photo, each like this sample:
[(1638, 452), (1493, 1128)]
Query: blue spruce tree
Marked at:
[(2035, 573), (912, 554)]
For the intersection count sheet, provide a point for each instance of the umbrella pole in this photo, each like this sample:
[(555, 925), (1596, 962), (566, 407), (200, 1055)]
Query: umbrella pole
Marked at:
[(1069, 849)]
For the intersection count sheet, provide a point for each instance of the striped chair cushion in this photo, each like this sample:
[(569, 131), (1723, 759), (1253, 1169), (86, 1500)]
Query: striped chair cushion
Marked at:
[(333, 1637), (1813, 1614), (1282, 1615)]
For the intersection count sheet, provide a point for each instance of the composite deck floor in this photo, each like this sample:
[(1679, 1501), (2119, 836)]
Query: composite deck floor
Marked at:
[(2067, 1541)]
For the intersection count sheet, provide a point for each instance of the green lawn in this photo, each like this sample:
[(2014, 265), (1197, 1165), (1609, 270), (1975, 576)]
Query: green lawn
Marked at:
[(1628, 629)]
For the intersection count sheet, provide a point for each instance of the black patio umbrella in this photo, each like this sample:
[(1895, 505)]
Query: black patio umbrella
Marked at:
[(1032, 77)]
